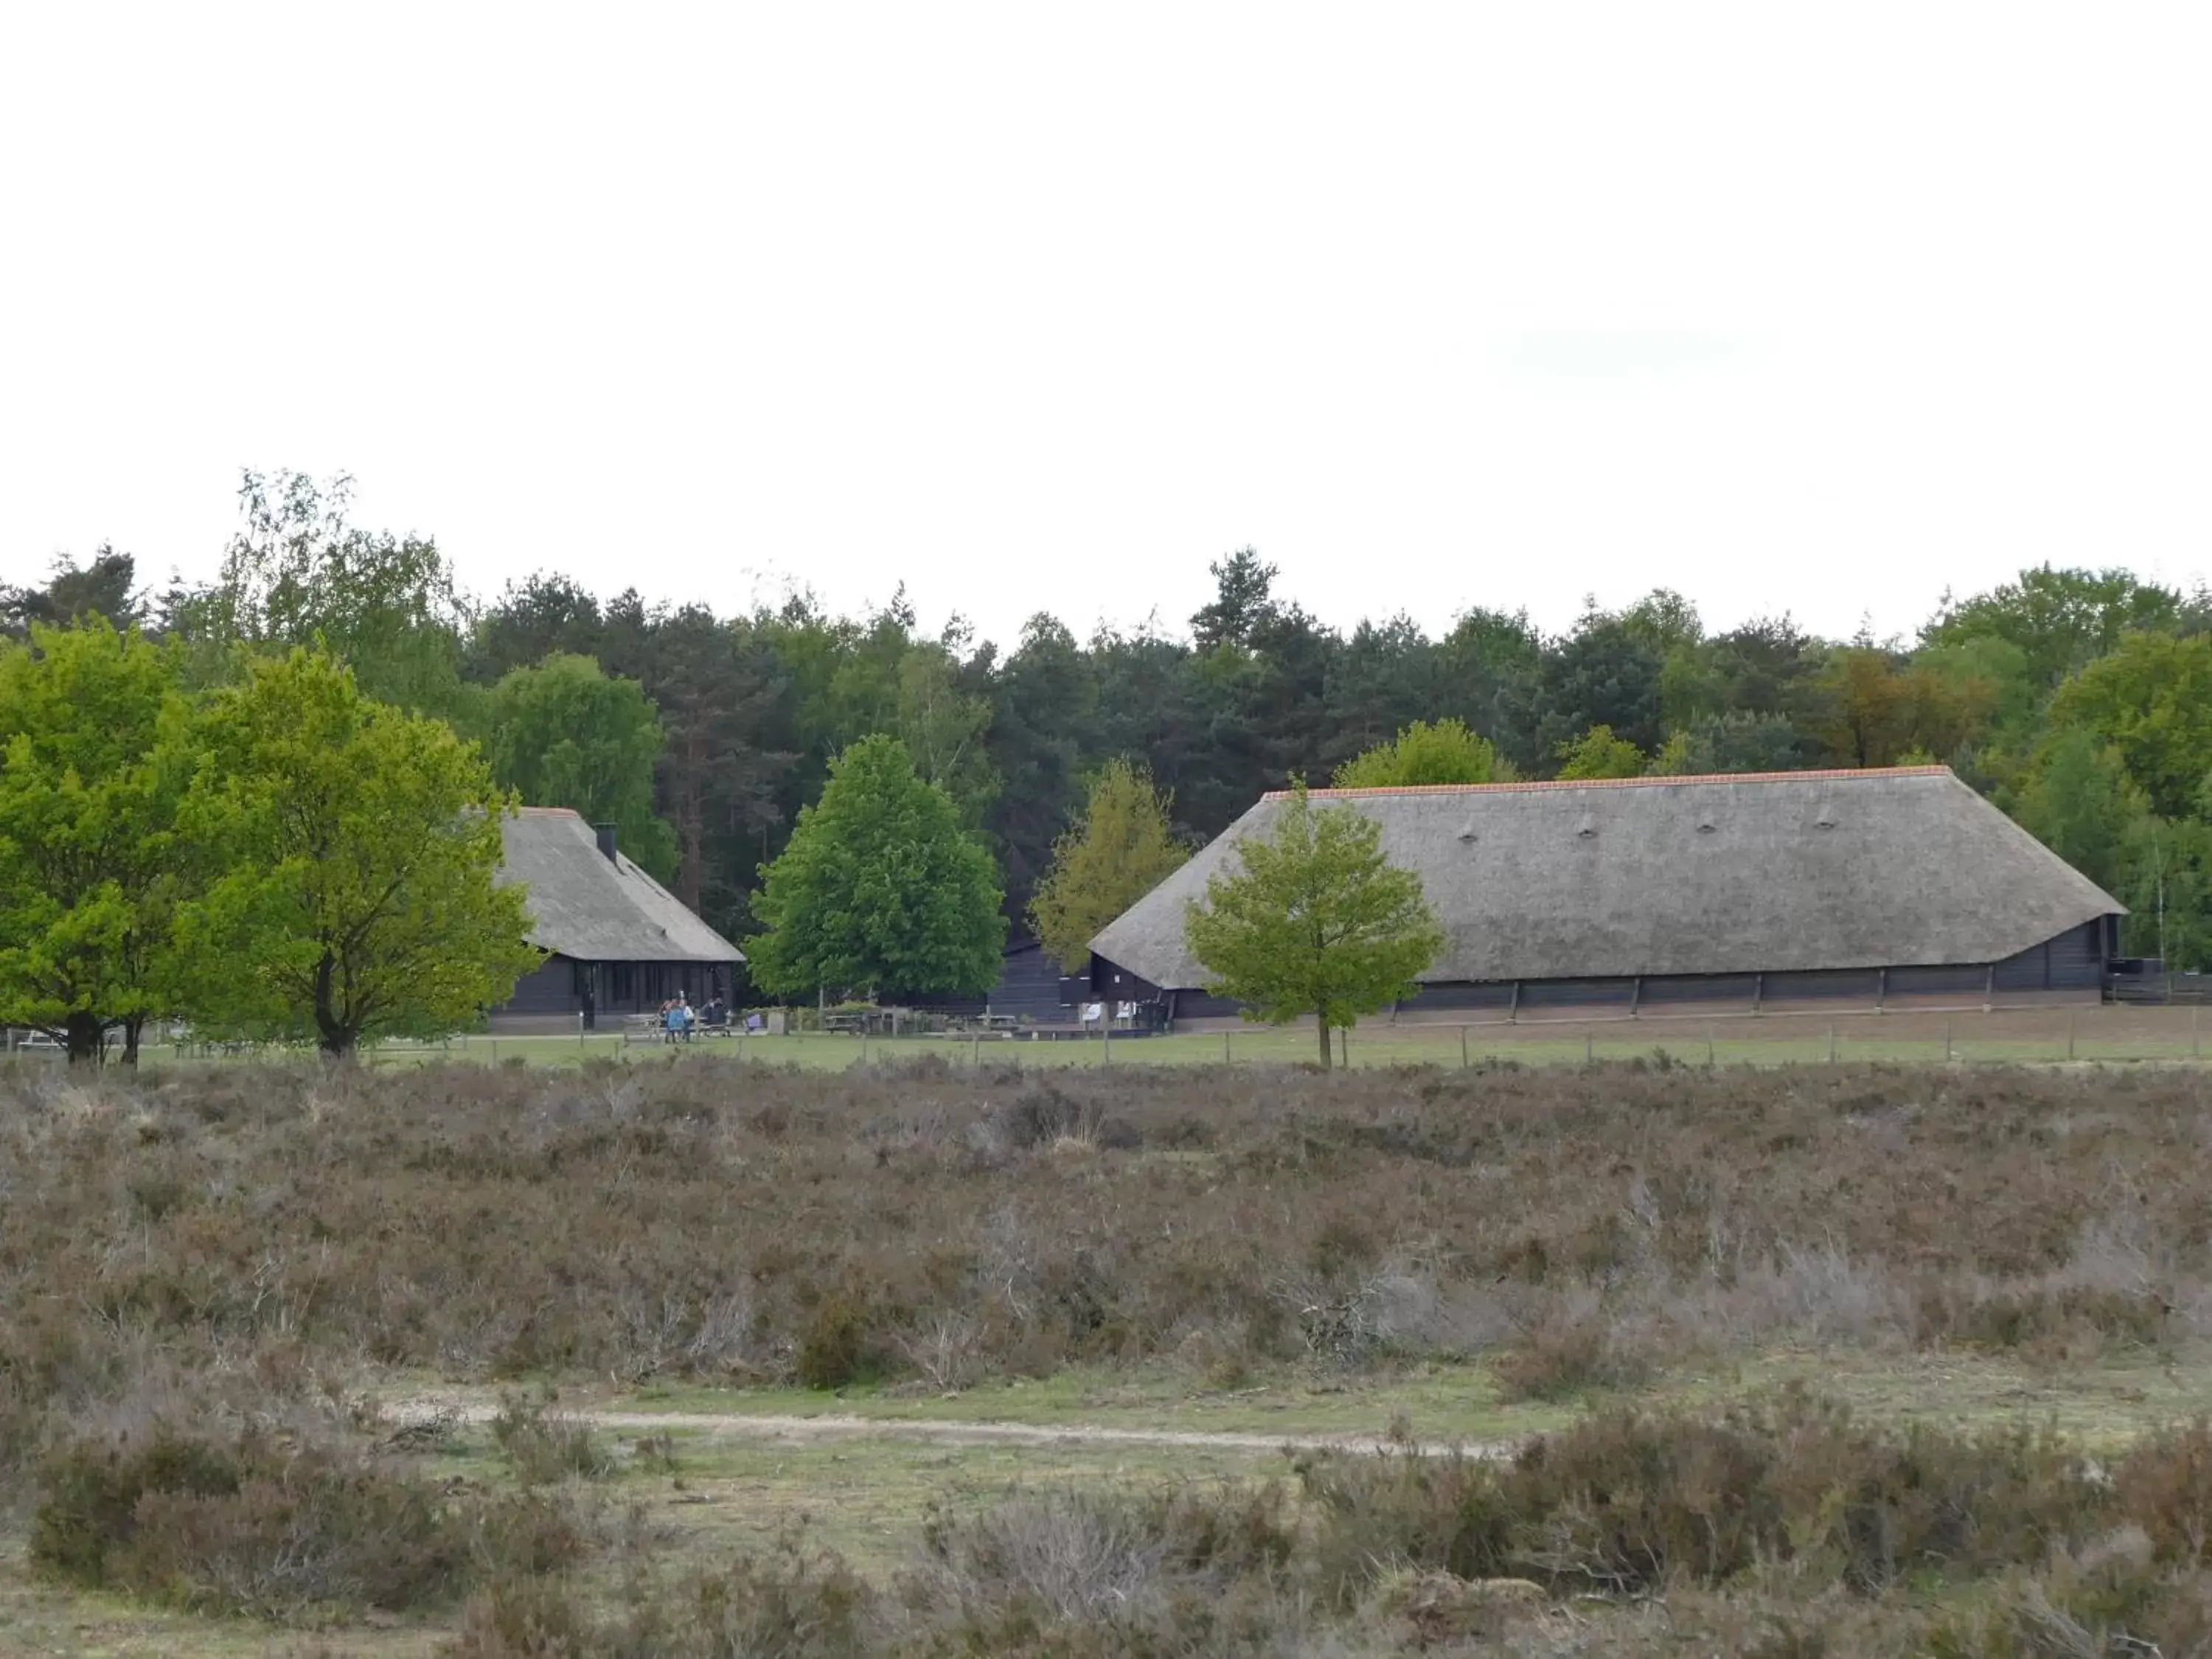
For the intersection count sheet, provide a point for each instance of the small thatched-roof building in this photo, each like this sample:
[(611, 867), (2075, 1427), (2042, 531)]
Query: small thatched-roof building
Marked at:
[(1739, 890), (619, 942)]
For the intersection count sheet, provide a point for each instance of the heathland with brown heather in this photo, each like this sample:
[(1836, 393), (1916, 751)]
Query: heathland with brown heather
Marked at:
[(203, 1276)]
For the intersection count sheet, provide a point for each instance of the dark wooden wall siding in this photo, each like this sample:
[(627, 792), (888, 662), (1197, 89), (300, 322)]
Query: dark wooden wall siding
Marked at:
[(1547, 993), (1702, 987), (1947, 979), (1457, 995), (625, 987), (1029, 986), (1860, 984), (551, 988), (1196, 1004), (2074, 961)]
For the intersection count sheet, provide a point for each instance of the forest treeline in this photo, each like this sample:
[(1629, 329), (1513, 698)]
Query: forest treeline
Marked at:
[(2079, 699)]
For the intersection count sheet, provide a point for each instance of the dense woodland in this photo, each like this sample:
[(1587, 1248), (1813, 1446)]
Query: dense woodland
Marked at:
[(2080, 700)]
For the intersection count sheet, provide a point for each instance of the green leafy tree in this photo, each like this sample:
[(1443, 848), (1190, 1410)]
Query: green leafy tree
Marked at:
[(300, 573), (1599, 754), (2061, 620), (1045, 700), (1606, 672), (1880, 708), (1314, 921), (360, 900), (1120, 852), (1243, 604), (96, 749), (2168, 890), (878, 889), (2151, 699), (564, 733), (945, 728), (2080, 804), (1732, 742), (108, 587), (1447, 752)]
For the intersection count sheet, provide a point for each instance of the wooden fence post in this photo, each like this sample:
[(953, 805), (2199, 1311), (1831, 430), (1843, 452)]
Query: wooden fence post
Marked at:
[(1462, 1047)]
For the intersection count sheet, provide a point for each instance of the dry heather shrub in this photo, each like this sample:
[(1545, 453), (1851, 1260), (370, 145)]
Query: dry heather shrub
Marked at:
[(246, 1526), (793, 1603), (1179, 1570), (543, 1446), (728, 1220), (1631, 1502), (1564, 1357)]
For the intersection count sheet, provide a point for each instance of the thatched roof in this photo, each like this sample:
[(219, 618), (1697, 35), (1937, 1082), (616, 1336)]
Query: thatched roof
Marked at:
[(1765, 872), (594, 909)]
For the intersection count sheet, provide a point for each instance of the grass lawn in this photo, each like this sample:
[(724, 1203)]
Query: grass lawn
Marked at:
[(1965, 1036), (2109, 1399)]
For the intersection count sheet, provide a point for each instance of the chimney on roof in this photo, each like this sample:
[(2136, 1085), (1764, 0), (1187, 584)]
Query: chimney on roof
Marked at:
[(605, 832)]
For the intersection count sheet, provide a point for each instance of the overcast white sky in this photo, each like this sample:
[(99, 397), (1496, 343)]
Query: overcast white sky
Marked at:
[(1821, 309)]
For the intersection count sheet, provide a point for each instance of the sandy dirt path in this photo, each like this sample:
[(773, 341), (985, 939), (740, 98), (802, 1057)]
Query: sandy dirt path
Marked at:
[(813, 1430)]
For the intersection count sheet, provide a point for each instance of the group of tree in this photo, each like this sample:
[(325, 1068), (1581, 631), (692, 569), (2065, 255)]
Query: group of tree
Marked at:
[(2075, 698), (282, 857)]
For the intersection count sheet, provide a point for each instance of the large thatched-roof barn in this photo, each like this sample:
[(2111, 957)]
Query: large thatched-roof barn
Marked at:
[(620, 943), (1742, 891)]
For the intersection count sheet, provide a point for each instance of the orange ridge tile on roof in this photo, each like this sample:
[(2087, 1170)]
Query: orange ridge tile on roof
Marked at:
[(1830, 774)]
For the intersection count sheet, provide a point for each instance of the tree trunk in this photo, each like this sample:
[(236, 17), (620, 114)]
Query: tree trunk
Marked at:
[(1322, 1020), (82, 1034), (336, 1035), (132, 1028)]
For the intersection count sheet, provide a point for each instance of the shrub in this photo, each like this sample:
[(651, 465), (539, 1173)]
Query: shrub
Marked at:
[(793, 1603), (542, 1448), (246, 1526), (834, 1346), (1629, 1502), (1563, 1358), (89, 1492)]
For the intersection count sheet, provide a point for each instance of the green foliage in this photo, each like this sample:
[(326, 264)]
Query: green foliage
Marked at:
[(2082, 805), (1732, 742), (1242, 603), (880, 888), (943, 725), (1447, 752), (1606, 672), (299, 574), (1316, 921), (563, 733), (2151, 699), (99, 750), (364, 842), (1599, 754), (2060, 621), (1879, 708), (1121, 850), (107, 587)]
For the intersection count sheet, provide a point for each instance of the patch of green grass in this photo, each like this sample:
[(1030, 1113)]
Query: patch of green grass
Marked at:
[(2106, 1400), (1440, 1402), (867, 1497), (1851, 1036)]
